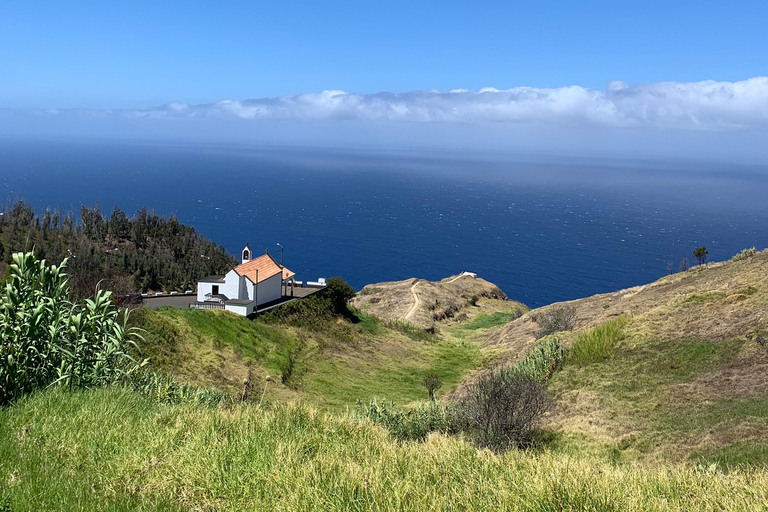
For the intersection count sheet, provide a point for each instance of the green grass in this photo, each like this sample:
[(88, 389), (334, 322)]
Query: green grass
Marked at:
[(596, 344), (113, 450), (371, 360), (487, 321), (394, 372), (197, 345), (636, 390)]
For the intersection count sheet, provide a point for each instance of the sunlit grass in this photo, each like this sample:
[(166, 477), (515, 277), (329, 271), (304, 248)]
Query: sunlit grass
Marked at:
[(597, 343), (112, 450)]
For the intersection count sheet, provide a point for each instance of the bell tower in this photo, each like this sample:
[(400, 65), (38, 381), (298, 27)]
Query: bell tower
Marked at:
[(247, 254)]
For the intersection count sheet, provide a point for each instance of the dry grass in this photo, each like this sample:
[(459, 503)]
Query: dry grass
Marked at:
[(440, 302)]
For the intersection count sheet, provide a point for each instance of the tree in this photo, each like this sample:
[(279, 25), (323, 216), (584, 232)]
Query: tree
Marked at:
[(340, 293), (700, 253), (432, 382), (670, 267), (683, 264)]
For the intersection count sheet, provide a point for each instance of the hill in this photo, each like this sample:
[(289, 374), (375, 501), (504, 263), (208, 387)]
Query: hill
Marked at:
[(329, 361), (684, 377), (425, 303)]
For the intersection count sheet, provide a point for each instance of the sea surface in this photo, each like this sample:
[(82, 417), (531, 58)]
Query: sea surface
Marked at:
[(544, 229)]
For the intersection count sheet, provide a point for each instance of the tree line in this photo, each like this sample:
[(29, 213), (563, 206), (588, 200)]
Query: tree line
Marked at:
[(126, 254)]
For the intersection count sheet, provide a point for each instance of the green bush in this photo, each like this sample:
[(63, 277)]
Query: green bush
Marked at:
[(165, 389), (340, 293), (598, 343), (409, 424), (48, 340), (542, 361)]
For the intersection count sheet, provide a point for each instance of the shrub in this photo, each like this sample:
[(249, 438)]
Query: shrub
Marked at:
[(165, 389), (598, 343), (542, 361), (340, 293), (432, 382), (503, 408), (556, 319), (47, 340), (744, 254), (409, 424)]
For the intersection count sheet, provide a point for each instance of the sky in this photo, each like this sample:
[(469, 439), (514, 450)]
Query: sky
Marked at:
[(500, 74)]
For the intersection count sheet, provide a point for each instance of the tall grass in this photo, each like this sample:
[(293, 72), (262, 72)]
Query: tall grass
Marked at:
[(113, 450), (598, 343)]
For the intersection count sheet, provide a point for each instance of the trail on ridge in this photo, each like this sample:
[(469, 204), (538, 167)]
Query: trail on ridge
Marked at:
[(416, 302)]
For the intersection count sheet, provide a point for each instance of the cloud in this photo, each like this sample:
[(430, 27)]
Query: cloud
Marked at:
[(707, 105)]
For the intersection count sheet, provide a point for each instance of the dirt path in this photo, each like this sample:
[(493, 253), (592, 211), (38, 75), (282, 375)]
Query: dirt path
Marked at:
[(416, 302)]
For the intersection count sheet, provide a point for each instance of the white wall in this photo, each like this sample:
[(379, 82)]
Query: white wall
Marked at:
[(203, 288), (231, 285), (270, 289), (240, 310)]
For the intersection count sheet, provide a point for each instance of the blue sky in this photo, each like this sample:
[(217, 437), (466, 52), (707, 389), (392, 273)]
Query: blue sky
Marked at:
[(651, 78), (140, 54)]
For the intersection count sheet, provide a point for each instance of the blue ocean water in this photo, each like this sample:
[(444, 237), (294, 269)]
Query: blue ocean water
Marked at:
[(543, 229)]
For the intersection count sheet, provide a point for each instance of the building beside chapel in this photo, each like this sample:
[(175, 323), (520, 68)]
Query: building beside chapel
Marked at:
[(242, 290)]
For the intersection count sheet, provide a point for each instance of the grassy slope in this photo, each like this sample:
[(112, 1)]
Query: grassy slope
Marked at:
[(683, 380), (351, 361), (112, 450)]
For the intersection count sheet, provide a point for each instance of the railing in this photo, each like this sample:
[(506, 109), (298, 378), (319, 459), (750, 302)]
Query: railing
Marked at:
[(205, 305)]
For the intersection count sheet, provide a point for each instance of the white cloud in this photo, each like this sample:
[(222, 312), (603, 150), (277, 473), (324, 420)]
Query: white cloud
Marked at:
[(706, 105)]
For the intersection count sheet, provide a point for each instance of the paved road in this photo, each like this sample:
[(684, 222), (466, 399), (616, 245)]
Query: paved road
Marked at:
[(183, 301), (176, 301)]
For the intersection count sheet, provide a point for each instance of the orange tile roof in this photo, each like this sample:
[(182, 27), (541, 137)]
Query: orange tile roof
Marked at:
[(266, 266)]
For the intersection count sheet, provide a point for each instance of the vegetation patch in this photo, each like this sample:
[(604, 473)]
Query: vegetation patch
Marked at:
[(487, 321), (744, 254), (556, 319), (596, 344)]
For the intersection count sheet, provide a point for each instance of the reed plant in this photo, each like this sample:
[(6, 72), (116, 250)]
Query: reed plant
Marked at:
[(47, 340)]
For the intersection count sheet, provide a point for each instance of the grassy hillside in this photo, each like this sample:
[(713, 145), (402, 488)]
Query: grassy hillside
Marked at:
[(682, 378), (113, 450), (329, 364)]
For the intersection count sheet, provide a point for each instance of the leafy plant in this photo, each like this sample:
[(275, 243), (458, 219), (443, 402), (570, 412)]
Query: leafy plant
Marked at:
[(409, 424), (542, 361), (48, 340)]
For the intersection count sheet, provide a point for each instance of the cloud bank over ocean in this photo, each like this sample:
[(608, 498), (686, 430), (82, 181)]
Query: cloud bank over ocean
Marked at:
[(699, 106)]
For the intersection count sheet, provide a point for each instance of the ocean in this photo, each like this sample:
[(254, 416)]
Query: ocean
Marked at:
[(544, 229)]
